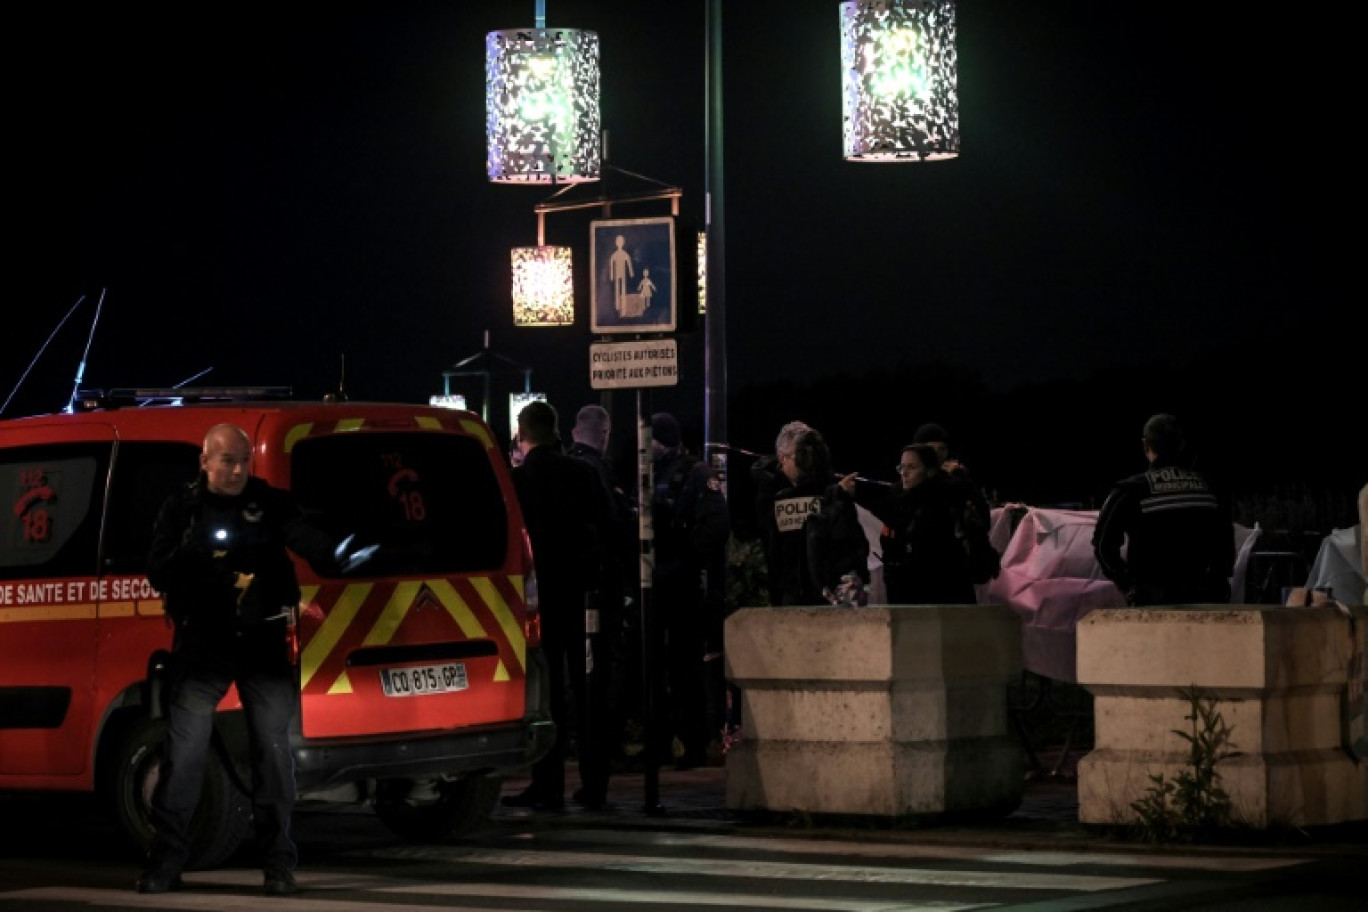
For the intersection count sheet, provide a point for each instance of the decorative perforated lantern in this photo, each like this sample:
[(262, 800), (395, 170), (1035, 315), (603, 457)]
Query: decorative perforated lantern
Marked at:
[(543, 287), (702, 272), (899, 84), (448, 400), (542, 105)]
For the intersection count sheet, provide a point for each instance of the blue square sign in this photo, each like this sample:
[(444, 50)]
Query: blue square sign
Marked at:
[(635, 269)]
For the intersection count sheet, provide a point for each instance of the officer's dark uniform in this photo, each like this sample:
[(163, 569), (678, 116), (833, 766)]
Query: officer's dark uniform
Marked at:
[(221, 564), (1180, 547), (691, 525), (565, 511), (615, 657), (782, 510)]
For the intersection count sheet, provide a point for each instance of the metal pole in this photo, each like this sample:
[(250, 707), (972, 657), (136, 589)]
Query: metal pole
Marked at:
[(484, 406), (715, 321)]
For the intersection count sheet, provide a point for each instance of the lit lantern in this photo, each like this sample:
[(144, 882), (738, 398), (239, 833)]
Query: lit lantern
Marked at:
[(702, 272), (543, 287), (898, 66), (448, 400), (542, 104)]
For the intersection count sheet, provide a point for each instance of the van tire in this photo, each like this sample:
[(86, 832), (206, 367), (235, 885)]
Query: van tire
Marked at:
[(222, 820), (411, 811)]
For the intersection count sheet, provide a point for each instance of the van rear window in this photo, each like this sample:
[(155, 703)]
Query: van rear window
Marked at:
[(51, 519), (432, 501)]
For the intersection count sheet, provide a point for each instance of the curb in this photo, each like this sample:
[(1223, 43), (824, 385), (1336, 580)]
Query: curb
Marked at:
[(1047, 820)]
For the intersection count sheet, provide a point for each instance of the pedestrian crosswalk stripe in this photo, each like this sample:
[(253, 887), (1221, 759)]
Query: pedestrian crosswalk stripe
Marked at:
[(190, 901), (778, 870), (1235, 864), (548, 872), (546, 899), (632, 899)]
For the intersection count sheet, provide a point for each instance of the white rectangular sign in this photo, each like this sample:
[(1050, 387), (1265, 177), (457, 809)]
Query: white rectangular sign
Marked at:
[(626, 365)]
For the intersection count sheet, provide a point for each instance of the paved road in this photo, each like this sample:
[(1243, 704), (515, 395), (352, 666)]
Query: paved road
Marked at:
[(695, 856)]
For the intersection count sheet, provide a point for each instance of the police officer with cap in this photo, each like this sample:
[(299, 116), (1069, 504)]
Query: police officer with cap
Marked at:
[(1176, 529)]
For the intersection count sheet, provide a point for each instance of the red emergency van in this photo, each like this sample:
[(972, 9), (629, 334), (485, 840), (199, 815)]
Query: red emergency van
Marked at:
[(421, 683)]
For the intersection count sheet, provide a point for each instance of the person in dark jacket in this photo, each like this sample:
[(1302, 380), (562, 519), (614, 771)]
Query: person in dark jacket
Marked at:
[(565, 510), (955, 471), (924, 559), (792, 486), (691, 524), (219, 559), (614, 663), (784, 495), (1176, 530)]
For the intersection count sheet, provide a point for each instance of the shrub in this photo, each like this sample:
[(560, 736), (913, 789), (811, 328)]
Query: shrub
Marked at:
[(1181, 808)]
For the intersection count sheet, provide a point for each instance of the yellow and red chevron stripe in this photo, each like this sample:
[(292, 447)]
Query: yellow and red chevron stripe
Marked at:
[(344, 700)]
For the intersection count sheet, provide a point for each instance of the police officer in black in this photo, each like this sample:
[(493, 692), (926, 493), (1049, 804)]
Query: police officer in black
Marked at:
[(610, 656), (565, 511), (1176, 529), (691, 525), (789, 488), (219, 559)]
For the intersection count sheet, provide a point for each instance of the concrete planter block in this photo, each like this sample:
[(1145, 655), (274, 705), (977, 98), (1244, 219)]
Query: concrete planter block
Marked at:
[(878, 779), (884, 710), (1282, 679)]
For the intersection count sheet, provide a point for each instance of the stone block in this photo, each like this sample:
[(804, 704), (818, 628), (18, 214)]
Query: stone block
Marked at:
[(1282, 680), (875, 778), (883, 710)]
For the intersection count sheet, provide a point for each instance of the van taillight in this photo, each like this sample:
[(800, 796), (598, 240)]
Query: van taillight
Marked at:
[(532, 620)]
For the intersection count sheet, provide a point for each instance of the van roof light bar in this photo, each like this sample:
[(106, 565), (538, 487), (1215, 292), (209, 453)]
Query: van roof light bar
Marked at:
[(126, 396)]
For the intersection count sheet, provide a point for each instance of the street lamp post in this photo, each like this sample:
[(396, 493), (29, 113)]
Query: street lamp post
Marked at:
[(715, 320)]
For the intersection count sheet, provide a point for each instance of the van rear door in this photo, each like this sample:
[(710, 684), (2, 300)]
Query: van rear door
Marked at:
[(430, 636), (52, 481)]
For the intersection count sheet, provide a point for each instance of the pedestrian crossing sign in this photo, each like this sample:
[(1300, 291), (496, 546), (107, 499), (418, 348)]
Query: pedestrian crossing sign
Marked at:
[(635, 271)]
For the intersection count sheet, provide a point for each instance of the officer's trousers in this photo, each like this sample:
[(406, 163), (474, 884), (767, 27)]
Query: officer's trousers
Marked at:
[(269, 698)]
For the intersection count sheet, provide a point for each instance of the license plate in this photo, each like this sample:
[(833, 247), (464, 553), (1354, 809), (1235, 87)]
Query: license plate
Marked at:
[(419, 680)]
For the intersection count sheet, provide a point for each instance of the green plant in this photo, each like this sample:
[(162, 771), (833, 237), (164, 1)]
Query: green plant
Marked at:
[(1178, 809), (746, 587)]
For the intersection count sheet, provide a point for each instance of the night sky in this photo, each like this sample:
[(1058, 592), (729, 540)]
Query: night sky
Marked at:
[(1146, 200)]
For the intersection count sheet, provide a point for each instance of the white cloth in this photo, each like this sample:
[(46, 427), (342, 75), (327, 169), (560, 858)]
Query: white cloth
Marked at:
[(1363, 540), (873, 529), (1245, 540), (1337, 565)]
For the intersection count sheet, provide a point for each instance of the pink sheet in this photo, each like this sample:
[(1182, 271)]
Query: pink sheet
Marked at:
[(1051, 579)]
